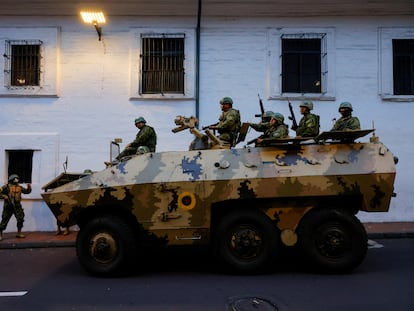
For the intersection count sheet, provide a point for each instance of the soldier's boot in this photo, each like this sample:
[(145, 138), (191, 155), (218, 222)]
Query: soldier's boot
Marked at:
[(1, 235), (20, 234), (59, 231), (66, 232)]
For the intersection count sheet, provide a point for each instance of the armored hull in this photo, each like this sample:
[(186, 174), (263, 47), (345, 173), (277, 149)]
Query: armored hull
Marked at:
[(181, 198)]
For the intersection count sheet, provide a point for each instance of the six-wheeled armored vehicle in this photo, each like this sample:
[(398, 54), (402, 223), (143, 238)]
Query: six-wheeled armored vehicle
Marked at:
[(244, 202)]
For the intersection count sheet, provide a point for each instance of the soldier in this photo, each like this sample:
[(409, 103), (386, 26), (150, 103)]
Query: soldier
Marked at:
[(229, 121), (145, 141), (12, 196), (265, 124), (346, 122), (309, 124), (278, 129)]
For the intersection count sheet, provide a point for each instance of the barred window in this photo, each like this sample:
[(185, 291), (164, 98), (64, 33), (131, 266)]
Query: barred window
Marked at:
[(303, 63), (162, 63), (403, 66), (21, 163), (22, 63)]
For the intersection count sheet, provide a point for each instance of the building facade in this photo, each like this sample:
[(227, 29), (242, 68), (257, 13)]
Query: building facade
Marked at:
[(65, 93)]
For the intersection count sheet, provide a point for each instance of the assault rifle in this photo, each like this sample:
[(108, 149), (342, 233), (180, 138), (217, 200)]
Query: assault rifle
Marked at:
[(261, 109), (10, 199), (207, 126), (254, 140), (292, 117)]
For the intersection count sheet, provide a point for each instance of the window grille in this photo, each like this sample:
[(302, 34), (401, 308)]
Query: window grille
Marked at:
[(162, 63), (22, 63), (403, 66), (21, 163), (304, 63)]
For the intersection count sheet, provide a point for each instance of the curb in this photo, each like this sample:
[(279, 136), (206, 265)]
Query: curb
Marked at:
[(23, 245), (38, 239), (391, 235)]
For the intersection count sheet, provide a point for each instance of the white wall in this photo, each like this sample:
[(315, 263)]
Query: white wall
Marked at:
[(93, 91)]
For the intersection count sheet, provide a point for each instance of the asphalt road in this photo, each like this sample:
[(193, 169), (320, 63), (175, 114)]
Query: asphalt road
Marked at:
[(51, 279)]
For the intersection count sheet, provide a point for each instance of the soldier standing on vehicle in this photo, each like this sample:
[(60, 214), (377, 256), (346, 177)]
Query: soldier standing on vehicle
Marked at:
[(278, 129), (12, 196), (309, 124), (229, 121), (145, 141), (346, 122), (265, 124)]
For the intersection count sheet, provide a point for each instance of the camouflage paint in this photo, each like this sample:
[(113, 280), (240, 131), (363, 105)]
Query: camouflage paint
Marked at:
[(171, 193)]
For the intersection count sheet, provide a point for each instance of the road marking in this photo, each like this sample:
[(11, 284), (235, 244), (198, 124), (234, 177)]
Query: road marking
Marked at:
[(373, 244), (13, 294)]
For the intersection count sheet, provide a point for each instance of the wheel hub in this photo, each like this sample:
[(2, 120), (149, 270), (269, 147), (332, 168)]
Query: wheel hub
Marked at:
[(103, 247), (246, 243), (332, 243)]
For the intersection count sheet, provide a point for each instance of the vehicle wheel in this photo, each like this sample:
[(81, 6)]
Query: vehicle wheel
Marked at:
[(332, 241), (106, 246), (246, 240)]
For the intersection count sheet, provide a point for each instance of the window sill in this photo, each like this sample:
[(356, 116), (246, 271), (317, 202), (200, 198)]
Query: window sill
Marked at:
[(295, 96), (398, 98), (161, 97), (29, 95)]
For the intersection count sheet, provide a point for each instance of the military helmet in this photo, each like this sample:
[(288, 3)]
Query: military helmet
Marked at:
[(345, 105), (13, 176), (268, 114), (307, 103), (140, 119), (278, 117), (226, 100)]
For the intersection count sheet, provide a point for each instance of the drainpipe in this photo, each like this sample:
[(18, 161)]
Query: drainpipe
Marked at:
[(197, 77)]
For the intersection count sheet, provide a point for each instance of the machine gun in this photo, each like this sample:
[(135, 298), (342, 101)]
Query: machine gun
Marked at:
[(184, 123), (201, 141), (292, 117)]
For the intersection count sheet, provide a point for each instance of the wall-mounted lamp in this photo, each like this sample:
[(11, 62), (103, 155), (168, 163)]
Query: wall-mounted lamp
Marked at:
[(94, 18)]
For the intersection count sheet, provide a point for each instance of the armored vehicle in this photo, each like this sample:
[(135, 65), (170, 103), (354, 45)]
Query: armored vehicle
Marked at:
[(247, 203)]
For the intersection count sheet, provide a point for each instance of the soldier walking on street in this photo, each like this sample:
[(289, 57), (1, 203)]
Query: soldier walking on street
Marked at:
[(12, 196)]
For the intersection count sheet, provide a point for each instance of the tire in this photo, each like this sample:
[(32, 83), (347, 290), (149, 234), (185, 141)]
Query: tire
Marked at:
[(246, 240), (106, 246), (332, 241)]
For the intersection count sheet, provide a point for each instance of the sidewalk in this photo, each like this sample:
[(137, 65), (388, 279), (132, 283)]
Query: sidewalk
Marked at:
[(38, 239), (42, 239)]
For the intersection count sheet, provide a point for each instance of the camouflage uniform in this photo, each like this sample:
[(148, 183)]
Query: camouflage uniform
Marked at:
[(308, 126), (347, 123), (229, 123), (12, 195), (146, 137), (278, 131), (265, 124), (260, 127)]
